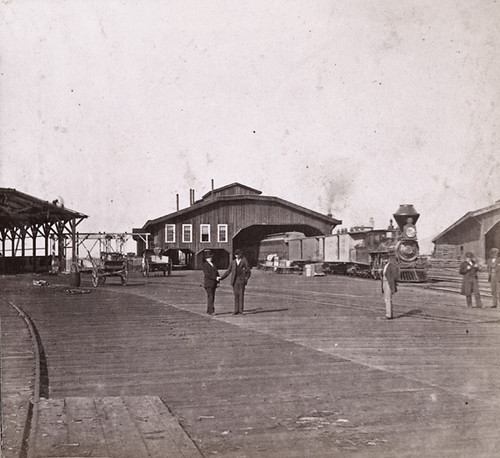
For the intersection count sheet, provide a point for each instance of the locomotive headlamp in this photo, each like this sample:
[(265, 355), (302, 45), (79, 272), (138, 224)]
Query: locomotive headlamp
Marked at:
[(410, 232)]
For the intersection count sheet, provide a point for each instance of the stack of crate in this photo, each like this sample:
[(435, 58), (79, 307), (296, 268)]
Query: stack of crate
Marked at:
[(445, 259)]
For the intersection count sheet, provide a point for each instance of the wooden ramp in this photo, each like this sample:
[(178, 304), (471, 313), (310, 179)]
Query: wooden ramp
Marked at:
[(111, 427)]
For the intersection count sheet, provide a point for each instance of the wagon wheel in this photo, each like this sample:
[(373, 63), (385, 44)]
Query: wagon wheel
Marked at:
[(95, 278), (124, 278)]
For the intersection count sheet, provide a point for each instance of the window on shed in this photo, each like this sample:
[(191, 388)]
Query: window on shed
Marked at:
[(222, 232), (187, 233), (204, 232), (169, 233)]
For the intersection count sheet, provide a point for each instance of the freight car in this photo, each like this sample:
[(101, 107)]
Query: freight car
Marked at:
[(276, 245), (360, 251)]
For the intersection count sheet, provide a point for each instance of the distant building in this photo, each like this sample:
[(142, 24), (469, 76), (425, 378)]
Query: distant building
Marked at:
[(225, 219), (476, 231)]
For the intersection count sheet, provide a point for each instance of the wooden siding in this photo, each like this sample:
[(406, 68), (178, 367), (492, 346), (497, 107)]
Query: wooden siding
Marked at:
[(237, 216)]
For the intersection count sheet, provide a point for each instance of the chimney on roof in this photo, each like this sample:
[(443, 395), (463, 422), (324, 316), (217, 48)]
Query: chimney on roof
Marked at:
[(212, 188), (177, 198)]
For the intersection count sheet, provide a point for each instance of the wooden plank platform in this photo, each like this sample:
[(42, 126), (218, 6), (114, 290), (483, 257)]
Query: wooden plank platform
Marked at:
[(17, 378), (311, 369), (112, 427)]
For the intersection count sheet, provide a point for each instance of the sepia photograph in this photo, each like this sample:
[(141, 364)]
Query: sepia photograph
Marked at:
[(264, 229)]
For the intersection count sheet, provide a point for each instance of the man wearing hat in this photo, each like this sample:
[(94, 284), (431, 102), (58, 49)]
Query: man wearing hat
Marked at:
[(240, 273), (494, 275), (390, 276), (469, 269), (210, 281)]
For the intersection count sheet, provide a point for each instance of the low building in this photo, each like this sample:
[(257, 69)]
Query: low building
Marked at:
[(477, 231), (225, 219)]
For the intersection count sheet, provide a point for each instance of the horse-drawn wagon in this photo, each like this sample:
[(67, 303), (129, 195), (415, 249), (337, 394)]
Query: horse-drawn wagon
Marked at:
[(109, 265), (155, 261)]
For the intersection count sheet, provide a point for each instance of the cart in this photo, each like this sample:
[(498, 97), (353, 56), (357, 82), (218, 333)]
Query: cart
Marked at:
[(154, 261), (109, 265)]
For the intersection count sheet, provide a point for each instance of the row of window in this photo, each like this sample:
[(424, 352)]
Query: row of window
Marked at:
[(187, 233)]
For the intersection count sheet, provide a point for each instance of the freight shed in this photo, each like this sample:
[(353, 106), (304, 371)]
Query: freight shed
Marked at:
[(36, 235), (477, 231), (225, 219)]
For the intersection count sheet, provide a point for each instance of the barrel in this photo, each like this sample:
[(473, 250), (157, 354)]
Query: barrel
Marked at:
[(308, 270), (75, 277)]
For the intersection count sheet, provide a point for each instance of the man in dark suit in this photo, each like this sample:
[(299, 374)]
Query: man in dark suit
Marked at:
[(390, 277), (469, 269), (240, 272), (494, 275), (210, 281)]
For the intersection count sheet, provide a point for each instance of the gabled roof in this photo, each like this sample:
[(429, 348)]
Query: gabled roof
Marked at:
[(20, 210), (229, 186), (197, 206), (469, 215)]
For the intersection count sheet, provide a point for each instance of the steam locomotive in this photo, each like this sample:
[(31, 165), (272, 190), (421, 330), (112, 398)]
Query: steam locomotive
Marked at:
[(359, 251)]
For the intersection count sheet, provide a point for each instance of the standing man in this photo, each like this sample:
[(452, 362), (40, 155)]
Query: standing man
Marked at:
[(469, 269), (240, 273), (390, 276), (494, 275), (210, 281)]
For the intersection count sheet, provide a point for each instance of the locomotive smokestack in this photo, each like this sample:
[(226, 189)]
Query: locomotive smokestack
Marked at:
[(406, 211)]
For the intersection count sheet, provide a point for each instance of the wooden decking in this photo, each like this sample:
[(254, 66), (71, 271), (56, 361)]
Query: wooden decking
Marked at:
[(311, 370), (114, 427)]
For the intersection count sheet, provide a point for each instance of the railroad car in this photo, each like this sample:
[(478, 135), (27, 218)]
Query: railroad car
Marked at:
[(359, 251), (276, 245)]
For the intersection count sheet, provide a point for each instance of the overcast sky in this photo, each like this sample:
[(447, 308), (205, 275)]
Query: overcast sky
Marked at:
[(343, 106)]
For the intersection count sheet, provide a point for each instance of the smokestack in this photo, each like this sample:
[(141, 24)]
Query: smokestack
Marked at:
[(177, 198), (193, 197), (190, 196), (212, 188)]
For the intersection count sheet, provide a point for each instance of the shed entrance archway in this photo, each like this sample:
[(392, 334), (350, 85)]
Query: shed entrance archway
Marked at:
[(248, 239)]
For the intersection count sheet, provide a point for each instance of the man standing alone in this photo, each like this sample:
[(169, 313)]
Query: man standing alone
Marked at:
[(390, 276), (469, 269), (240, 272)]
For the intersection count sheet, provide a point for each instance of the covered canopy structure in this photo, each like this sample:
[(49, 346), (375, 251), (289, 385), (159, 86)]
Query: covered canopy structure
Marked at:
[(36, 234)]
